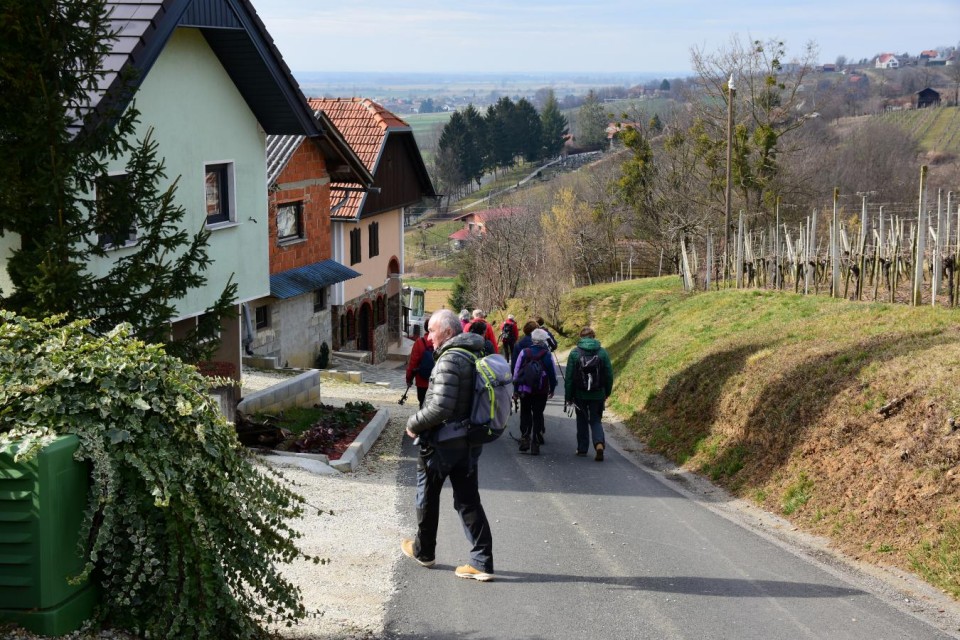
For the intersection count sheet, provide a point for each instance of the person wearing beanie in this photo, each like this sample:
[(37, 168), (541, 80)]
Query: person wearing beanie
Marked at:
[(535, 380), (524, 341), (479, 319)]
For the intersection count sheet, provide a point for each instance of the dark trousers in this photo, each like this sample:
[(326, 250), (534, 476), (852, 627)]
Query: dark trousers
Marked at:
[(589, 423), (434, 466), (421, 395), (531, 414), (507, 351)]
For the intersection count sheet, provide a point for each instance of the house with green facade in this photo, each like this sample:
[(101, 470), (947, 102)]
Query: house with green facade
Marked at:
[(210, 85)]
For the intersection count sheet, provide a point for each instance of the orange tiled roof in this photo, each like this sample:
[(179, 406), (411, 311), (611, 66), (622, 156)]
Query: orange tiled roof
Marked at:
[(364, 125)]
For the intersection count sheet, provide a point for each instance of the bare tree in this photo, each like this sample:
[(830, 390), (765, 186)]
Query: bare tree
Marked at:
[(768, 105)]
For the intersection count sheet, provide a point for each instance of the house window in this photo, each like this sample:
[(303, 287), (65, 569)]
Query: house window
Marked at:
[(355, 246), (319, 299), (110, 194), (263, 317), (290, 221), (218, 186), (374, 239)]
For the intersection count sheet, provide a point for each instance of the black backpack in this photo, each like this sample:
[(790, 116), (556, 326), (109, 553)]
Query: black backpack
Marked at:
[(532, 376), (426, 361), (588, 374)]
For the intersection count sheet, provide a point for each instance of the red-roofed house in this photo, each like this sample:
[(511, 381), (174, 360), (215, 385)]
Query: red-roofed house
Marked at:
[(367, 229), (887, 61), (475, 222)]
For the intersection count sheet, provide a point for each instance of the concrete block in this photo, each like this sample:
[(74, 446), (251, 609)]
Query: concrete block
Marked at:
[(351, 458)]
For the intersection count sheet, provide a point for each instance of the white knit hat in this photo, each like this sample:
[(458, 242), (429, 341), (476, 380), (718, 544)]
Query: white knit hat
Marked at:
[(539, 335)]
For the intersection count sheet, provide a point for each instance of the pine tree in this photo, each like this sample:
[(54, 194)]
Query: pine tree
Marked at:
[(479, 152), (62, 204), (553, 127), (452, 151), (530, 130)]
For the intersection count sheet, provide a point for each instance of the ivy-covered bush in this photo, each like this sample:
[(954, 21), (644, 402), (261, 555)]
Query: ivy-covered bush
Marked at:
[(182, 531)]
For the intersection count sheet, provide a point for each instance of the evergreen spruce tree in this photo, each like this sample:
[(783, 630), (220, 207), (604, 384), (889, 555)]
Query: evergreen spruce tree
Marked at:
[(479, 153), (453, 149), (62, 204), (529, 129), (553, 126)]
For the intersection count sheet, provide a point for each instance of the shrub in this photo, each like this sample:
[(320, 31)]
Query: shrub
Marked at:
[(181, 530)]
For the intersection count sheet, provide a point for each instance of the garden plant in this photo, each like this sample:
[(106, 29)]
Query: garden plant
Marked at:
[(183, 531)]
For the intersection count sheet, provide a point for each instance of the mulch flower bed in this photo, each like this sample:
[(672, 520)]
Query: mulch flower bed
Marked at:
[(322, 429)]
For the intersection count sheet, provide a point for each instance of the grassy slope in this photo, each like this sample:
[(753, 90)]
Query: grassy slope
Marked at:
[(776, 397), (936, 129)]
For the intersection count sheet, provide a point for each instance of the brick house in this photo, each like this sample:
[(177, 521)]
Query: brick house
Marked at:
[(293, 322)]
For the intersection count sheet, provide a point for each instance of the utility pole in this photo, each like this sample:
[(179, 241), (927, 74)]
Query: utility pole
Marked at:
[(726, 200)]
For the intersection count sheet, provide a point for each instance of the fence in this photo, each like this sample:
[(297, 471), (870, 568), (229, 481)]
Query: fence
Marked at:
[(888, 258)]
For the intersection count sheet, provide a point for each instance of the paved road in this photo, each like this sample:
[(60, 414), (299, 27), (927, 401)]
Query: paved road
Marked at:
[(607, 550)]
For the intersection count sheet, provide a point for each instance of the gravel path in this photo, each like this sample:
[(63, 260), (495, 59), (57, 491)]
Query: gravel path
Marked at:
[(361, 538)]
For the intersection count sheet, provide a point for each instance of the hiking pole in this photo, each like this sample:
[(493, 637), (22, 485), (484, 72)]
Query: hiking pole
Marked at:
[(559, 368), (403, 398)]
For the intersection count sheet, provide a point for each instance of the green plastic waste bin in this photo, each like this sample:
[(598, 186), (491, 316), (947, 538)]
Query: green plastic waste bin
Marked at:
[(41, 510)]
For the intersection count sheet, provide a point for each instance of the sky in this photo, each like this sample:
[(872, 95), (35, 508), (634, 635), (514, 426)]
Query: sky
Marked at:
[(564, 36)]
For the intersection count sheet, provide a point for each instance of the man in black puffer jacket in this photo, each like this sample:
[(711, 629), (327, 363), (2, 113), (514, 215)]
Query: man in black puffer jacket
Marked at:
[(449, 399)]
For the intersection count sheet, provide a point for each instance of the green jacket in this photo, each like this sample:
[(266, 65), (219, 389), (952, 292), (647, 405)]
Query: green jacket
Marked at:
[(570, 392)]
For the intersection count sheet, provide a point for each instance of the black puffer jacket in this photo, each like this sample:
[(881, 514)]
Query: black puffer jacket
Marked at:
[(450, 395)]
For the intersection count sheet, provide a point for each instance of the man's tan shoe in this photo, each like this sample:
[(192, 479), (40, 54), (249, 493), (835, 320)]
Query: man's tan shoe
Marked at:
[(467, 571), (599, 448), (406, 545)]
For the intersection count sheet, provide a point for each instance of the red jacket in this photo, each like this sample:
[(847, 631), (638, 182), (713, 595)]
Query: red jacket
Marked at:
[(414, 362), (488, 334), (516, 330)]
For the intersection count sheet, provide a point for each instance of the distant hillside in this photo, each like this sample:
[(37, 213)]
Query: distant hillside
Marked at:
[(938, 130)]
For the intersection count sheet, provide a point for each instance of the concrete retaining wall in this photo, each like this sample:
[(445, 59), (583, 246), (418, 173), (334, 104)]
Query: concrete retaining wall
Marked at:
[(300, 391)]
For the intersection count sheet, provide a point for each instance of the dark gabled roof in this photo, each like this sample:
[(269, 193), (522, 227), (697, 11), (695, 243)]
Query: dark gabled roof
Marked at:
[(295, 282), (235, 34)]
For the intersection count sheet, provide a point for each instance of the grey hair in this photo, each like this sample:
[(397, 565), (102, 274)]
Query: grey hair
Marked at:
[(447, 319)]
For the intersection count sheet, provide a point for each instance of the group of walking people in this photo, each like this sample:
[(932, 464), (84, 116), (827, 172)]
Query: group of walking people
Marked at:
[(447, 396)]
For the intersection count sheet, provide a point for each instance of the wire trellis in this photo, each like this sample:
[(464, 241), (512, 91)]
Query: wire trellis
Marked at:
[(884, 256)]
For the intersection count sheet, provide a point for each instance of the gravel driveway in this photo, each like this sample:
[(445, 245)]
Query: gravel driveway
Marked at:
[(361, 538)]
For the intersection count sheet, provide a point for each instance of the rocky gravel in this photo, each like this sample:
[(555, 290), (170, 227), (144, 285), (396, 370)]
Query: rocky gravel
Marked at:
[(353, 521)]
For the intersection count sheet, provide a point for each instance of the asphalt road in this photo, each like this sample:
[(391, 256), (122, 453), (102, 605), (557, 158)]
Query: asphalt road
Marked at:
[(586, 549)]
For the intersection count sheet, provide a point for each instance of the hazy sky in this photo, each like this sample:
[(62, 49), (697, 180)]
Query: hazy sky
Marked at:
[(587, 35)]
